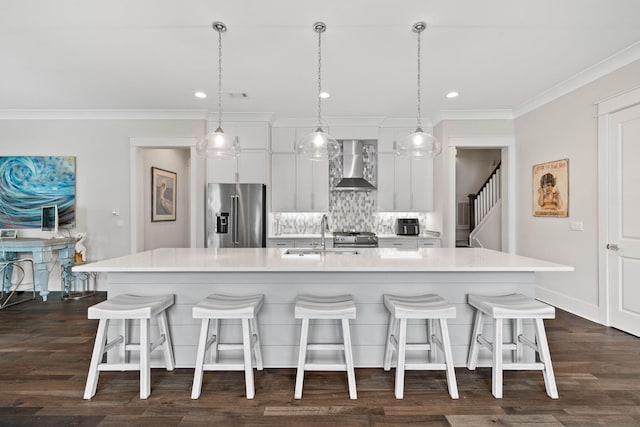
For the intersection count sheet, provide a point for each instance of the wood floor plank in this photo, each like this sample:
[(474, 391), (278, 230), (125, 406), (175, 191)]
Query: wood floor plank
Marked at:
[(45, 350)]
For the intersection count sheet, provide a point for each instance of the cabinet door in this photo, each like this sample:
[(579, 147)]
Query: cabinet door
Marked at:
[(387, 138), (252, 136), (403, 242), (422, 184), (304, 184), (252, 167), (283, 182), (386, 180), (280, 243), (283, 140), (312, 192), (222, 170), (320, 186), (402, 183), (428, 243)]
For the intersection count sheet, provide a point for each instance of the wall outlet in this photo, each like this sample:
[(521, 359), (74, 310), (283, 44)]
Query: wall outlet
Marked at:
[(576, 226)]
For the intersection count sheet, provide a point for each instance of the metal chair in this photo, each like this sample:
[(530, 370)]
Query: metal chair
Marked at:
[(14, 276)]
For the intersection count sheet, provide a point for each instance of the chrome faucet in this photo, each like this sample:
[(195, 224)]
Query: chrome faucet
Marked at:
[(324, 225)]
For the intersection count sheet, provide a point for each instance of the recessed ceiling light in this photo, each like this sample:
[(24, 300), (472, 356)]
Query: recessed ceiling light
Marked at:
[(324, 95), (452, 94), (200, 95)]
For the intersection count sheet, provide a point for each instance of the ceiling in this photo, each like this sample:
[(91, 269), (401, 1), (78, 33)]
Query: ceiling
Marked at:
[(154, 54)]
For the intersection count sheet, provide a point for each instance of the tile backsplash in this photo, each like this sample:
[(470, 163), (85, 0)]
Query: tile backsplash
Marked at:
[(348, 210)]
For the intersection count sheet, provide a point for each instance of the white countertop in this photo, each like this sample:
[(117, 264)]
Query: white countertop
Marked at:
[(367, 260)]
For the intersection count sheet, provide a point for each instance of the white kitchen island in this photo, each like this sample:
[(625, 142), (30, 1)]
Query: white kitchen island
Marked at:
[(192, 274)]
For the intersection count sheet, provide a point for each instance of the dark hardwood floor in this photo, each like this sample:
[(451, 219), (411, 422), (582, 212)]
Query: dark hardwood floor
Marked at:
[(45, 351)]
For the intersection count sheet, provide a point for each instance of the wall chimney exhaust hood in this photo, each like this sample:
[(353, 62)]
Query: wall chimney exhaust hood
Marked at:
[(353, 168)]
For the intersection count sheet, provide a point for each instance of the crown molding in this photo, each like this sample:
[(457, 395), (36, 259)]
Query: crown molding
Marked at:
[(473, 115), (103, 114), (602, 68), (212, 116), (330, 121)]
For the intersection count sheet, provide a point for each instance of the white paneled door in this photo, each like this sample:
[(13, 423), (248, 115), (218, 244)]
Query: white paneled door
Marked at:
[(623, 247)]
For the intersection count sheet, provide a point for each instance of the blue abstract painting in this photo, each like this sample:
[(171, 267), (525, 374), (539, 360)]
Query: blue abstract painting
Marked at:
[(27, 183)]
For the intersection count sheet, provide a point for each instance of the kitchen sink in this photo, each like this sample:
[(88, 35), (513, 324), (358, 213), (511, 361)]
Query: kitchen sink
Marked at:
[(318, 252)]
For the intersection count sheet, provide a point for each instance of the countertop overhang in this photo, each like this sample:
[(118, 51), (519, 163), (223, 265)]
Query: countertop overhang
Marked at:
[(367, 260)]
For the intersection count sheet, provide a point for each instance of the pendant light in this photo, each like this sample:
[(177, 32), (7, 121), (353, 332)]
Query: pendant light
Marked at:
[(218, 144), (318, 145), (419, 143)]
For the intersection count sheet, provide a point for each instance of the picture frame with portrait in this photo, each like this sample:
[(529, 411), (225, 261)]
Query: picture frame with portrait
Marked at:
[(551, 189), (163, 195)]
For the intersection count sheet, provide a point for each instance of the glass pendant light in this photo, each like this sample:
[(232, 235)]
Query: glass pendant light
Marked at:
[(419, 143), (218, 144), (318, 145)]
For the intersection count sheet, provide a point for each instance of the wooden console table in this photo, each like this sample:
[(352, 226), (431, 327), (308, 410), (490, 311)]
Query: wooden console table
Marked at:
[(42, 251)]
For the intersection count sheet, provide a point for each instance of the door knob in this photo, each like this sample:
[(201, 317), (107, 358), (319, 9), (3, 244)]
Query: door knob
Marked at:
[(612, 247)]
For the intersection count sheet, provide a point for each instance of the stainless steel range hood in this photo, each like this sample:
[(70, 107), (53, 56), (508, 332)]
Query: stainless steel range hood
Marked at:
[(353, 168)]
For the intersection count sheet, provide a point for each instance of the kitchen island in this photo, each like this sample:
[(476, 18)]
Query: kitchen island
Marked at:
[(281, 274)]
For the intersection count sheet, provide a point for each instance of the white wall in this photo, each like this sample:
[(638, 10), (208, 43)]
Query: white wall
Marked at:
[(102, 150), (167, 234), (566, 128)]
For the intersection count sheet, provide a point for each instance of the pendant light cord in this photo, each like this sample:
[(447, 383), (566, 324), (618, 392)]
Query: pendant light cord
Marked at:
[(419, 95), (319, 77), (220, 79)]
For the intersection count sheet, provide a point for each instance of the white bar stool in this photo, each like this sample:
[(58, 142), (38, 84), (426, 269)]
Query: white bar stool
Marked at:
[(127, 308), (316, 307), (14, 276), (212, 310), (428, 307), (513, 307)]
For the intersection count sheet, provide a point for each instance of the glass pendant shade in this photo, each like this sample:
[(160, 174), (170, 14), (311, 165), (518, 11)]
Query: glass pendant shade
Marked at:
[(218, 144), (318, 145), (419, 144)]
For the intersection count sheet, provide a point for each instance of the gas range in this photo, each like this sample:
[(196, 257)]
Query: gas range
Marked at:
[(355, 239)]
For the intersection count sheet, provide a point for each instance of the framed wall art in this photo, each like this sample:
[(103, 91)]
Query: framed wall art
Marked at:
[(163, 195), (27, 183), (551, 188)]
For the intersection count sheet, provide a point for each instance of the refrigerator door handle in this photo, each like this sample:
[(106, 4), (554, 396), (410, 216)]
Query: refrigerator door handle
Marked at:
[(234, 212)]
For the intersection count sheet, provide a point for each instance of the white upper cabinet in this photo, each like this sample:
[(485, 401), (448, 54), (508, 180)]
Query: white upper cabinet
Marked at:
[(250, 165), (387, 138), (312, 192), (283, 182), (297, 184), (283, 140), (404, 184)]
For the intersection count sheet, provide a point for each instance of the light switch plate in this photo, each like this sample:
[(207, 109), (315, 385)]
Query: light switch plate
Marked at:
[(576, 226)]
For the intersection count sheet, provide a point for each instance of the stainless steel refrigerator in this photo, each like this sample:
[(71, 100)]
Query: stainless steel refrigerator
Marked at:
[(236, 216)]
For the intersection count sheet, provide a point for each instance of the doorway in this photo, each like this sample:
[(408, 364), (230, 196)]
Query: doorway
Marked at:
[(178, 153), (474, 168), (506, 146)]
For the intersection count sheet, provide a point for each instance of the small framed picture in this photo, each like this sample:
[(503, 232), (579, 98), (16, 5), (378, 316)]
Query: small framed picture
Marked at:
[(551, 188), (8, 233), (163, 195)]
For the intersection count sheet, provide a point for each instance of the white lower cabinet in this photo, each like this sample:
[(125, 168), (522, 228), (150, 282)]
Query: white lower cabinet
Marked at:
[(427, 242), (280, 243), (408, 242), (300, 242), (400, 242)]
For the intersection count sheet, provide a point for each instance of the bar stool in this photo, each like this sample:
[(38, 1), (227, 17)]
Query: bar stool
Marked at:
[(318, 307), (428, 307), (127, 308), (212, 310), (14, 274), (515, 307)]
